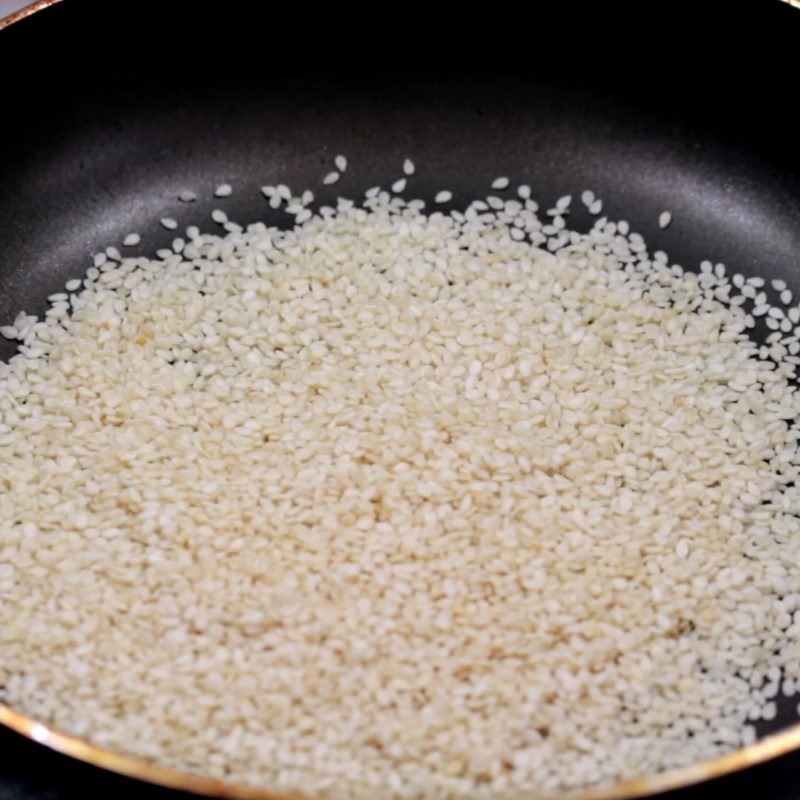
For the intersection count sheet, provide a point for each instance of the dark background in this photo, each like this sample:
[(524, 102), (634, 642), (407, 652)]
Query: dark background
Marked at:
[(107, 110)]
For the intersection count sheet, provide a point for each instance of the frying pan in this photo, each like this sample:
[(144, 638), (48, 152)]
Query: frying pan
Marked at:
[(110, 110)]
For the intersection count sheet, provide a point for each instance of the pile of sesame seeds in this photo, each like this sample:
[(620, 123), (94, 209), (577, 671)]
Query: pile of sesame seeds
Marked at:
[(403, 502)]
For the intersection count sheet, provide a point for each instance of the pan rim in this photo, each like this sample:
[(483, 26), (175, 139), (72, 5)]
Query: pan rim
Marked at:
[(26, 11), (764, 750), (81, 749)]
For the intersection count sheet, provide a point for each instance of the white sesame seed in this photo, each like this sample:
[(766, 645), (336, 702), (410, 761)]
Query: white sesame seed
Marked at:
[(340, 163), (330, 178), (169, 223), (500, 183), (443, 196), (219, 216), (223, 190), (373, 456), (399, 186), (187, 196), (408, 167), (131, 240), (664, 219)]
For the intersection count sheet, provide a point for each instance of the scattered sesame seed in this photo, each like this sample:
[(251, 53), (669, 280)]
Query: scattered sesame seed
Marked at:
[(333, 388)]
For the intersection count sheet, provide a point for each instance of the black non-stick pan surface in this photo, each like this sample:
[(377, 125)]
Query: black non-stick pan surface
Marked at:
[(108, 110)]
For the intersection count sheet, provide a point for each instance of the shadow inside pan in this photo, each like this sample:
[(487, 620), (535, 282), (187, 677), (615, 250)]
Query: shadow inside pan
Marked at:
[(142, 102)]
